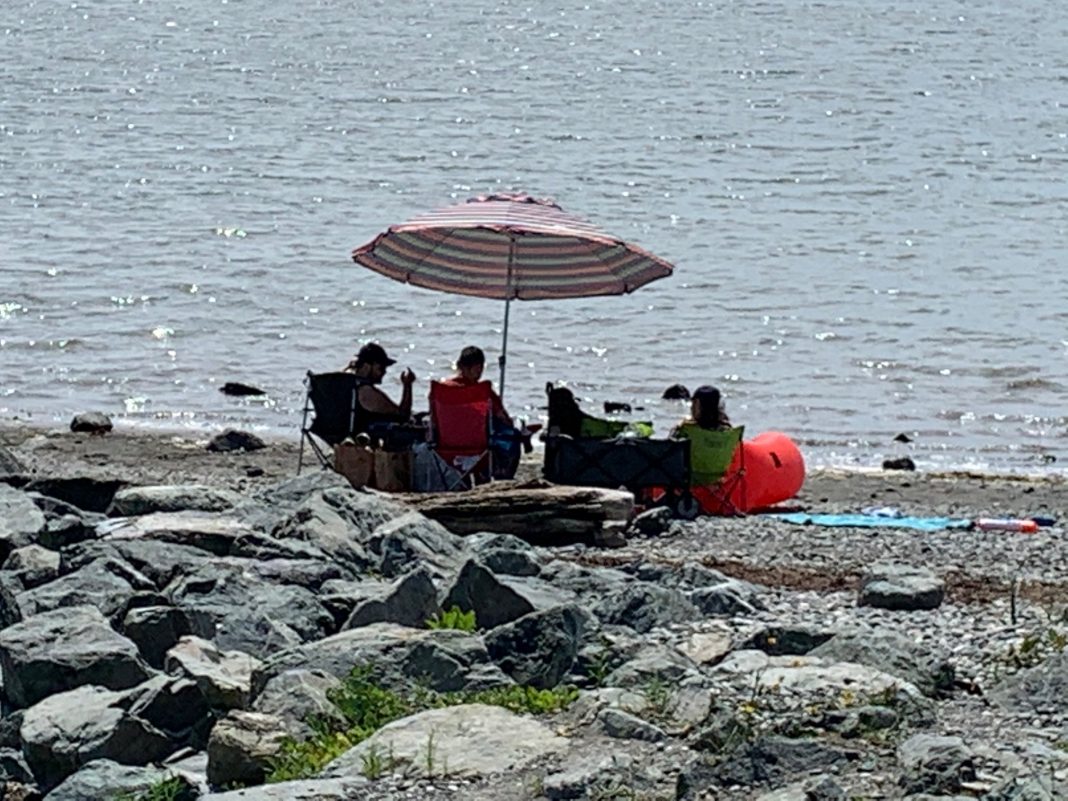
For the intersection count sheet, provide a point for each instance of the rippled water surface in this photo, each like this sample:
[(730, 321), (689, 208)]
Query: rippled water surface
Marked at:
[(866, 204)]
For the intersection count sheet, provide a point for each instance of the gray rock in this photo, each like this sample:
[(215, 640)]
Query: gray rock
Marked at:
[(13, 767), (479, 590), (259, 546), (409, 601), (1037, 788), (69, 730), (229, 605), (783, 641), (155, 630), (538, 649), (20, 520), (174, 705), (931, 763), (160, 562), (508, 562), (644, 606), (768, 760), (729, 598), (653, 662), (66, 530), (331, 530), (816, 788), (901, 587), (893, 654), (1042, 689), (104, 779), (10, 464), (91, 423), (213, 533), (33, 565), (241, 747), (104, 583), (625, 726), (413, 539), (464, 741), (297, 696), (223, 677), (442, 660), (172, 498), (309, 790), (65, 649), (233, 440)]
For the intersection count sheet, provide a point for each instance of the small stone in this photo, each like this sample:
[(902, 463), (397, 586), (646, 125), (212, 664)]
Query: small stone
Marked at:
[(233, 440), (91, 423)]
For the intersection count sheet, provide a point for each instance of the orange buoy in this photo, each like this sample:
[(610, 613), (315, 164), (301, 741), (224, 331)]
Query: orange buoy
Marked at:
[(773, 470)]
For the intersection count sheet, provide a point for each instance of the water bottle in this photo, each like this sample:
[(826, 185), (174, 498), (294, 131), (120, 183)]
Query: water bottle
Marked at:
[(1023, 526)]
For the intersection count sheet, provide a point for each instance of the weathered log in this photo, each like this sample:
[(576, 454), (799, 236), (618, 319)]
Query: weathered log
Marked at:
[(538, 512)]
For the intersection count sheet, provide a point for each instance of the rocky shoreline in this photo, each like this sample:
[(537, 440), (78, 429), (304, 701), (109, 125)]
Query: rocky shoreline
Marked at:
[(180, 623)]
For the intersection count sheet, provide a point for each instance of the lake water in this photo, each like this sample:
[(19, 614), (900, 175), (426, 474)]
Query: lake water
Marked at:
[(866, 204)]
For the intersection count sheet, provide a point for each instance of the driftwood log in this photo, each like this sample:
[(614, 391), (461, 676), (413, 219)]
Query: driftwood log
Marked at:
[(538, 512)]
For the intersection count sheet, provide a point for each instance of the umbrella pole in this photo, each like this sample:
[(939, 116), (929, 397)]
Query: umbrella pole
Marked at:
[(507, 308)]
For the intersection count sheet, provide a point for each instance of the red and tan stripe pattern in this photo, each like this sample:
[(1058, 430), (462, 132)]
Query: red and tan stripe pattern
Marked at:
[(466, 249)]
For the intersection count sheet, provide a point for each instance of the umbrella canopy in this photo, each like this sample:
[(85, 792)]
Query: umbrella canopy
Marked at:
[(509, 247)]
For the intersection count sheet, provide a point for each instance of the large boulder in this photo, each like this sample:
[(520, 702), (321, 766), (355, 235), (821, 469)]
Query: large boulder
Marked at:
[(1040, 690), (242, 746), (935, 764), (213, 533), (409, 601), (65, 649), (173, 704), (644, 606), (172, 498), (155, 630), (34, 565), (106, 584), (87, 493), (441, 660), (105, 779), (298, 696), (91, 423), (20, 520), (227, 604), (538, 649), (223, 677), (890, 653), (901, 587), (414, 539), (71, 729), (496, 600), (464, 741)]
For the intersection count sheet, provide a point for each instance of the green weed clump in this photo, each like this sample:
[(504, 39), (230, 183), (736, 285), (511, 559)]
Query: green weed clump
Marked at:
[(170, 788), (453, 618), (367, 706)]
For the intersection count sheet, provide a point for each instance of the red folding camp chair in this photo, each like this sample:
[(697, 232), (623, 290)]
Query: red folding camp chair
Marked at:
[(460, 419)]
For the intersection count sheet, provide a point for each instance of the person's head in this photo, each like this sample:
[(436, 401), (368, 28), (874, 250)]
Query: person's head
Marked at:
[(705, 406), (471, 363), (371, 362)]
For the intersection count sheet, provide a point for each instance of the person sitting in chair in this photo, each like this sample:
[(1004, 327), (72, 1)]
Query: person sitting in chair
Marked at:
[(507, 441), (706, 409), (375, 407), (469, 369)]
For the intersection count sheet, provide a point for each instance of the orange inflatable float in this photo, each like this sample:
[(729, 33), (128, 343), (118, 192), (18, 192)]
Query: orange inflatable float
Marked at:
[(772, 470)]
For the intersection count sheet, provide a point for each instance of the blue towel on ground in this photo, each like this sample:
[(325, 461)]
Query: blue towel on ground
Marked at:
[(875, 521)]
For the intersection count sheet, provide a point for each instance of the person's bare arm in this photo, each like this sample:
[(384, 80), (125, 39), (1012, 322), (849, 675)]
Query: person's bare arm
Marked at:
[(375, 400)]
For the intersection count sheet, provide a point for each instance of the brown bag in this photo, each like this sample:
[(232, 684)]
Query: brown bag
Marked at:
[(355, 462), (393, 470)]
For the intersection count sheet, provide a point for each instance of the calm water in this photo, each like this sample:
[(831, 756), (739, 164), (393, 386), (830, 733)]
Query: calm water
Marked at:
[(866, 203)]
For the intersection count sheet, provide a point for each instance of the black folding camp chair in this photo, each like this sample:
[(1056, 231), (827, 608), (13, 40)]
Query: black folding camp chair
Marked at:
[(631, 462), (332, 397)]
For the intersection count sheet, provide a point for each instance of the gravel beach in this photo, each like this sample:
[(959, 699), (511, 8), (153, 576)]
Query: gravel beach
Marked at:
[(721, 658)]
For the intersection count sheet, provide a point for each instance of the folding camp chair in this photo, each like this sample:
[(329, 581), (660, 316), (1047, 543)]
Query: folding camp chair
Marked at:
[(332, 396), (717, 468), (461, 419), (631, 462)]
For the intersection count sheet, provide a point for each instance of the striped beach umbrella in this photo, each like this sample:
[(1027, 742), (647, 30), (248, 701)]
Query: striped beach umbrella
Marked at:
[(509, 247)]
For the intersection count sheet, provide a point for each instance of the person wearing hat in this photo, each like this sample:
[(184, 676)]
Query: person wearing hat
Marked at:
[(370, 367), (706, 409)]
